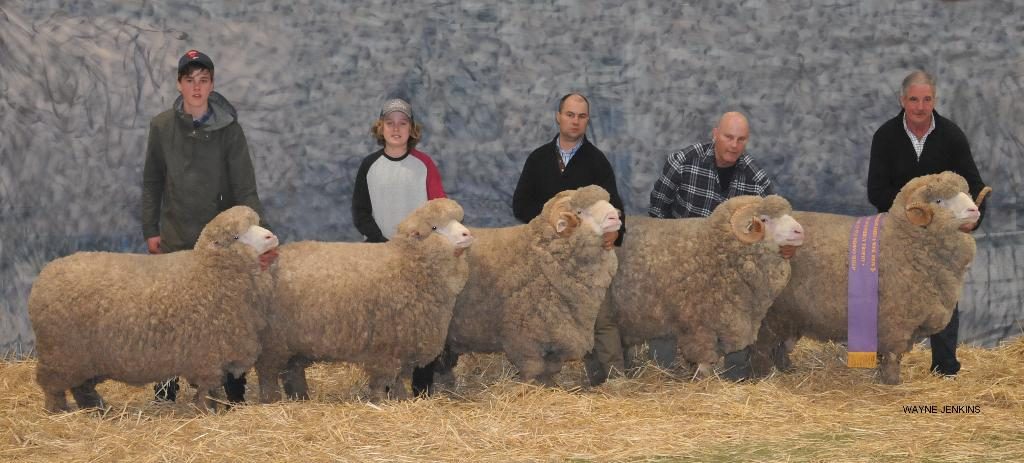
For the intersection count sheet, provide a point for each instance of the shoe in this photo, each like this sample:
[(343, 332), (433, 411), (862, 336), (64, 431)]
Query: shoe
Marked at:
[(234, 388), (737, 366), (166, 391), (947, 373)]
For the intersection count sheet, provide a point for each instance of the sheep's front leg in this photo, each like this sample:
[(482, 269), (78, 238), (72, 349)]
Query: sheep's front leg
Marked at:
[(202, 400), (889, 367), (55, 401), (701, 348), (552, 366), (530, 367), (294, 379), (86, 396), (270, 389), (386, 381), (206, 388), (704, 370), (782, 360)]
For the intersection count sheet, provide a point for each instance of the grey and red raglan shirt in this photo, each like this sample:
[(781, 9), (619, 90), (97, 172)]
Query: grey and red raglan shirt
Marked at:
[(388, 189)]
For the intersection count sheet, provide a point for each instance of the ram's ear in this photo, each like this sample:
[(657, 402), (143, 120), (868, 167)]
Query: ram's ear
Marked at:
[(747, 227), (566, 224), (982, 195), (412, 229), (919, 214)]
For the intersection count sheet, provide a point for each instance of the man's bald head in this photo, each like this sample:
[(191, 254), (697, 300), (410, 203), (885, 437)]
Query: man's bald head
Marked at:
[(730, 137), (733, 117)]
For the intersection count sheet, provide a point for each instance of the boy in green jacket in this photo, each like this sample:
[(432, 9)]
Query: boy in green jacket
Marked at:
[(197, 165)]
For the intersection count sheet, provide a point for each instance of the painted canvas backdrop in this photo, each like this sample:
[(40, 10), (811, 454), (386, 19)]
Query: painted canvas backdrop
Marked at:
[(80, 80)]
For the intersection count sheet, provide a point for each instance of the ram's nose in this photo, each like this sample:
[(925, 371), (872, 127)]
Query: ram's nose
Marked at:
[(611, 222), (796, 235)]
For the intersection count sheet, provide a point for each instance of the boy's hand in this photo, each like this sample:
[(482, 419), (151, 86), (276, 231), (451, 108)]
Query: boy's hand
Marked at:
[(153, 244)]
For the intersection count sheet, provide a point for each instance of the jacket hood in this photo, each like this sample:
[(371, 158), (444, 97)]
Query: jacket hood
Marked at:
[(223, 112)]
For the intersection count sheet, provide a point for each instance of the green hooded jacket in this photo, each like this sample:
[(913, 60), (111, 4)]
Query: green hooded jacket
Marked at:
[(192, 174)]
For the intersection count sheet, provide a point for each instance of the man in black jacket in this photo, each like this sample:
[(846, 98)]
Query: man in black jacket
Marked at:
[(918, 141), (567, 162)]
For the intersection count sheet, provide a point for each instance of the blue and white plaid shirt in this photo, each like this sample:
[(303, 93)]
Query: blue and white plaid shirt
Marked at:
[(689, 186), (567, 154), (918, 143)]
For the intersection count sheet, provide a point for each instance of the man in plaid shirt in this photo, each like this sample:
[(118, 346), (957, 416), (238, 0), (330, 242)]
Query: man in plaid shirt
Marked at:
[(693, 183), (697, 179)]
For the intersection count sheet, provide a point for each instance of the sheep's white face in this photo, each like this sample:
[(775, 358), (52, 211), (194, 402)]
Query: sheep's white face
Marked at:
[(783, 230), (259, 238), (963, 208), (456, 234), (601, 217)]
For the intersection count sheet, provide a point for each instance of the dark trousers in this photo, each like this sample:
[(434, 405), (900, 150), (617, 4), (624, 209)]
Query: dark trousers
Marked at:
[(943, 343), (423, 377), (234, 389)]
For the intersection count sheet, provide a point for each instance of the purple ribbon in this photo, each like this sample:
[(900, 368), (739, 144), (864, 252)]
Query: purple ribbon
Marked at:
[(862, 292)]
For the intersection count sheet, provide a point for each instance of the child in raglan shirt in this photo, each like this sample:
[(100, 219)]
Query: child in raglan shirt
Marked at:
[(392, 182), (396, 179)]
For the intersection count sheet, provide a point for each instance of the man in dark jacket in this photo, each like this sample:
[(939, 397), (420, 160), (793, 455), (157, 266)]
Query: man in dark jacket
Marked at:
[(197, 165), (568, 162), (918, 141)]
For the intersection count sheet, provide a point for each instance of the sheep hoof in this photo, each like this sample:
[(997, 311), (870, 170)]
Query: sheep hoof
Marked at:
[(56, 403), (703, 371), (445, 380), (86, 396), (889, 374), (890, 379)]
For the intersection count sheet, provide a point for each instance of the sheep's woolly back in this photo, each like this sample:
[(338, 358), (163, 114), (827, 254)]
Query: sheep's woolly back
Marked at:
[(385, 306), (532, 291), (140, 318), (920, 272), (694, 279), (928, 188)]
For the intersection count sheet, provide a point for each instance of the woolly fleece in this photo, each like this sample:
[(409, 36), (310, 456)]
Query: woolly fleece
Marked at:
[(694, 279), (532, 294), (140, 318), (383, 306), (921, 271)]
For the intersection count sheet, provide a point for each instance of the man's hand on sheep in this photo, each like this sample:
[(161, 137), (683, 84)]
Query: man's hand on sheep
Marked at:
[(787, 252), (609, 239)]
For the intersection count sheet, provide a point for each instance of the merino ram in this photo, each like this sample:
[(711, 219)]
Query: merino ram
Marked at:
[(140, 318), (383, 306), (706, 281), (536, 288), (921, 265)]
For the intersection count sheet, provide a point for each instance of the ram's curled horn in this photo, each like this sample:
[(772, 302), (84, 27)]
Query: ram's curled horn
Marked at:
[(982, 195), (746, 226), (562, 219), (919, 214)]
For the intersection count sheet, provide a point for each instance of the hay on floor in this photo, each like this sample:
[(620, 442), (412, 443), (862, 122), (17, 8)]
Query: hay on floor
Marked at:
[(821, 411)]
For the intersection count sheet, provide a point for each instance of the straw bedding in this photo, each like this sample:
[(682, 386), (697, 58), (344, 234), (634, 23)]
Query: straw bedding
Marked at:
[(822, 411)]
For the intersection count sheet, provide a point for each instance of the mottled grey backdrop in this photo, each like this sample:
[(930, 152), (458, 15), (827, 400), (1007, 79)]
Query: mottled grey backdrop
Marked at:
[(80, 79)]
